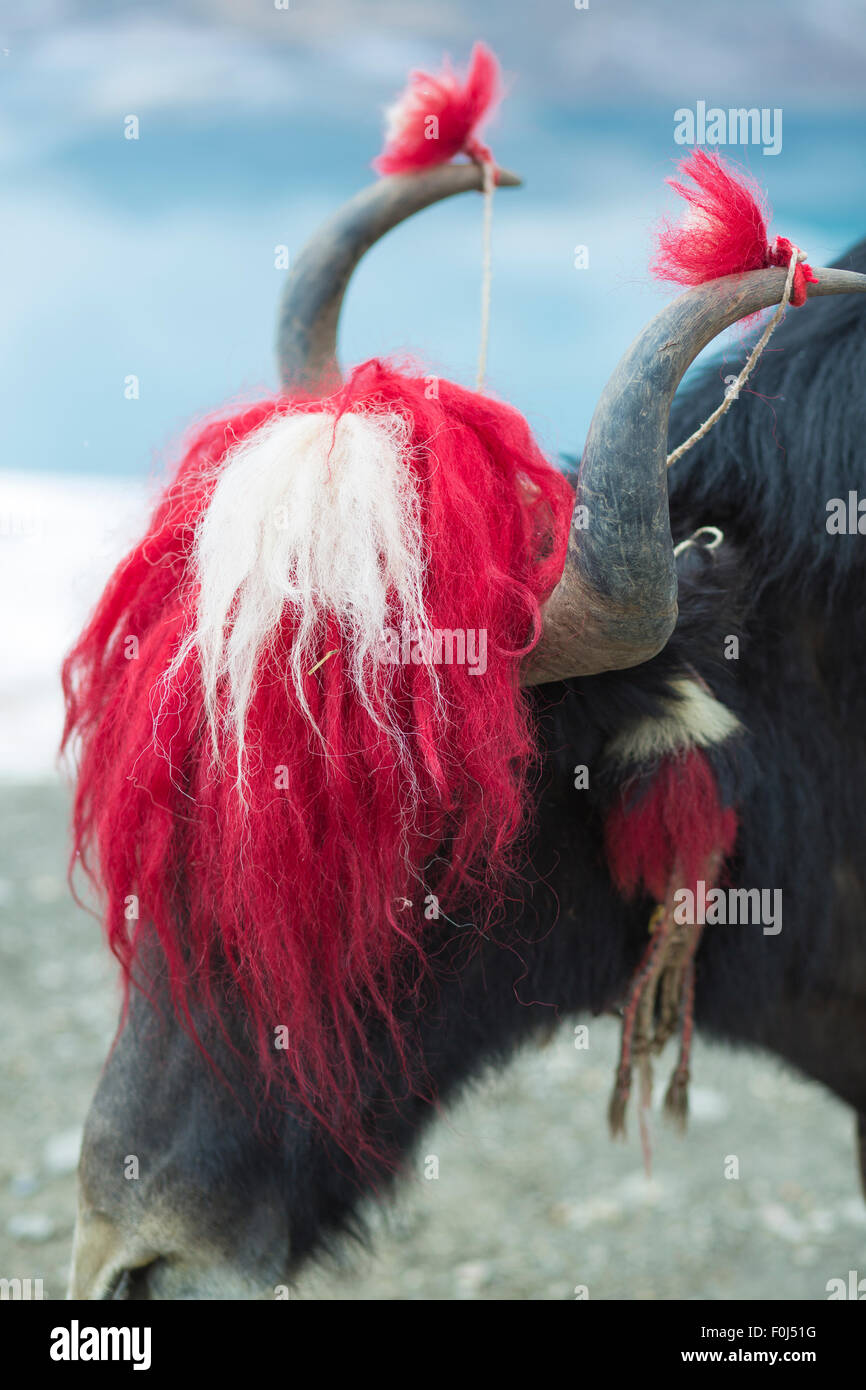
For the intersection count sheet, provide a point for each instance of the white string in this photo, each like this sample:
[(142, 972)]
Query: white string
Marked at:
[(715, 534), (733, 391), (486, 270)]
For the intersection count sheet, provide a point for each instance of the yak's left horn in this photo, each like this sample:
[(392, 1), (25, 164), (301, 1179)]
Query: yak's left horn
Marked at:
[(310, 309), (616, 603)]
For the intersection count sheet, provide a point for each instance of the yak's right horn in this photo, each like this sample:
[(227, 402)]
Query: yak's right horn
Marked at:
[(310, 308)]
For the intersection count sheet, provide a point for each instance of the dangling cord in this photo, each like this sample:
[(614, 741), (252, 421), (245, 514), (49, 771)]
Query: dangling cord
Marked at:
[(733, 391), (633, 1043), (644, 1040), (677, 1096), (489, 169)]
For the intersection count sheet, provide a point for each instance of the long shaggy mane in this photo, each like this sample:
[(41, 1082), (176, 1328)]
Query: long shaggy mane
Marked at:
[(260, 794)]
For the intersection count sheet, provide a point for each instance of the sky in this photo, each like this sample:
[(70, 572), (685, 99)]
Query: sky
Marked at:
[(155, 257)]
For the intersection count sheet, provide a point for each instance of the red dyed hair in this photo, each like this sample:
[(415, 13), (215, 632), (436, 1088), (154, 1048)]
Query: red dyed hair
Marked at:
[(458, 108), (290, 898), (725, 230)]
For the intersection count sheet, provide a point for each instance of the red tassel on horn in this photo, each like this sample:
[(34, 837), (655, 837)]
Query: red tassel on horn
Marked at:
[(724, 231), (438, 117)]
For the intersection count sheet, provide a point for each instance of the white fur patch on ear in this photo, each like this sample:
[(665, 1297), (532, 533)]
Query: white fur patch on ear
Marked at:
[(694, 718), (319, 514)]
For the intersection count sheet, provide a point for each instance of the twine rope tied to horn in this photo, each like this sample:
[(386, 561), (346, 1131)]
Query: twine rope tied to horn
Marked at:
[(797, 257), (723, 233), (436, 118)]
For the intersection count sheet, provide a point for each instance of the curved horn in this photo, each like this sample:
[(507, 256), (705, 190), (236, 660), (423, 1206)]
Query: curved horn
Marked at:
[(310, 307), (616, 603)]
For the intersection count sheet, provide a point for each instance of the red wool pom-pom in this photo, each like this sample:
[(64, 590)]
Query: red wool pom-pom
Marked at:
[(724, 231), (438, 117)]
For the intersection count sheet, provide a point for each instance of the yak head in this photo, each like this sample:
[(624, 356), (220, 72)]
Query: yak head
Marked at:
[(305, 845)]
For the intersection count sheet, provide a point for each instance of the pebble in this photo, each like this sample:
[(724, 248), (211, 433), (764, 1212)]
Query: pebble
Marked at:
[(707, 1105), (51, 974), (32, 1226), (46, 888), (60, 1155), (780, 1222), (469, 1278), (23, 1184)]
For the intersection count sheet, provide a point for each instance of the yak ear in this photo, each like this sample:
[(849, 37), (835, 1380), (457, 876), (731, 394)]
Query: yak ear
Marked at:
[(616, 603), (309, 314)]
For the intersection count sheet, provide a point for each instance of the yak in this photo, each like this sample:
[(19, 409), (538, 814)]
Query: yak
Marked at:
[(712, 610)]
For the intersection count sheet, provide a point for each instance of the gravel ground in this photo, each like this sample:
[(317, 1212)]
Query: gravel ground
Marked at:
[(532, 1200)]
